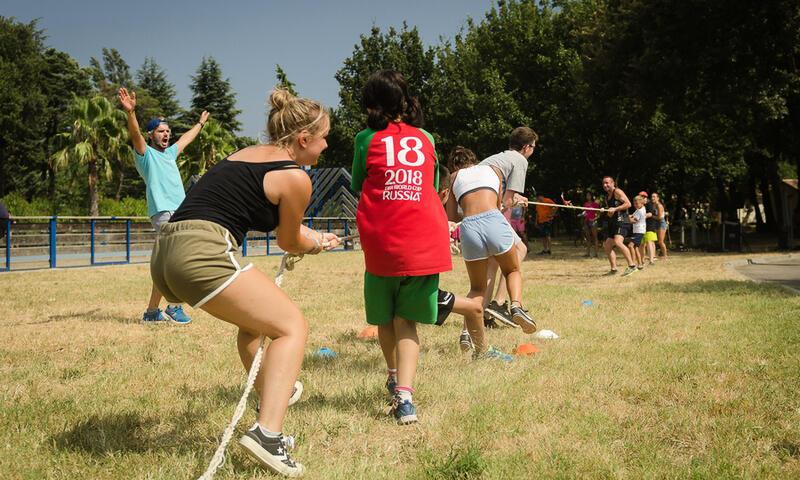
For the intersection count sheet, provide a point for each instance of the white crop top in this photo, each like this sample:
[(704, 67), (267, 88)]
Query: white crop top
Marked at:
[(476, 177)]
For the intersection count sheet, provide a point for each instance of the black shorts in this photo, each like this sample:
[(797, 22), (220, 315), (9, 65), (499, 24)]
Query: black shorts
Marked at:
[(623, 229), (445, 304)]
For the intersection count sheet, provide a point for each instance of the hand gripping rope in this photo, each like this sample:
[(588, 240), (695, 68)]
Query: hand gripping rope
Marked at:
[(287, 263)]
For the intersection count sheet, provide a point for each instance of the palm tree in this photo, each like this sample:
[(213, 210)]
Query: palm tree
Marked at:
[(96, 139), (211, 145)]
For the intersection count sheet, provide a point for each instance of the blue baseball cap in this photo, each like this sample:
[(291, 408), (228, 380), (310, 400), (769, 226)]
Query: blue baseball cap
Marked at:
[(152, 124)]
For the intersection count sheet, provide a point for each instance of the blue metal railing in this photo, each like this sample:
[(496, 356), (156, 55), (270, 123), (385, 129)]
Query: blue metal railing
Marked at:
[(52, 234)]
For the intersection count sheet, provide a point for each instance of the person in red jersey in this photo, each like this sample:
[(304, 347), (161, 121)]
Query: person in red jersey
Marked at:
[(403, 228)]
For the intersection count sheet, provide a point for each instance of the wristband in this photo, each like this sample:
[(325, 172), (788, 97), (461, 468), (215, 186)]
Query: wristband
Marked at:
[(316, 246), (201, 125)]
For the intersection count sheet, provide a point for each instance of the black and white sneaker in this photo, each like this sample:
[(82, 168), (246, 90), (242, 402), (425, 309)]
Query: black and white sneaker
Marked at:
[(271, 452), (465, 342), (522, 319), (500, 313), (488, 322), (444, 304), (297, 392)]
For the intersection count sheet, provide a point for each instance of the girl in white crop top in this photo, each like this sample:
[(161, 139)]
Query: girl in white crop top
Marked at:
[(476, 177)]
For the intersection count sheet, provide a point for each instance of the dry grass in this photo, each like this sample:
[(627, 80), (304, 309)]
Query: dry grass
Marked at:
[(681, 370)]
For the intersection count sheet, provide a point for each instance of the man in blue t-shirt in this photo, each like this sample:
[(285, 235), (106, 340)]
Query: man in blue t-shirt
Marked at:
[(156, 163)]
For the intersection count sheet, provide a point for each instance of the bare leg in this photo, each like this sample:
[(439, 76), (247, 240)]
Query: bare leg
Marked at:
[(155, 298), (388, 344), (608, 246), (474, 322), (619, 242), (257, 306), (491, 276), (595, 241), (651, 251), (661, 244), (521, 251), (405, 331), (587, 233), (509, 265)]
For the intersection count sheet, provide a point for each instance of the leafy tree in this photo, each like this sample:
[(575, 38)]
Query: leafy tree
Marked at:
[(114, 71), (153, 78), (96, 139), (211, 145), (397, 50), (213, 93), (284, 81)]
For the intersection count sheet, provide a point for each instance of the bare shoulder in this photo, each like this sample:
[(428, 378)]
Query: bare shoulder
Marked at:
[(288, 181)]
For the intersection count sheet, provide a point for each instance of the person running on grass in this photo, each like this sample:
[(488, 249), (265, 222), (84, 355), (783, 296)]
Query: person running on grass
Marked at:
[(197, 260), (156, 163), (619, 226), (513, 164), (485, 233), (403, 228)]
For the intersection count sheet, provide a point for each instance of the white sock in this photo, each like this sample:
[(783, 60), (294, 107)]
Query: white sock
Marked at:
[(266, 432)]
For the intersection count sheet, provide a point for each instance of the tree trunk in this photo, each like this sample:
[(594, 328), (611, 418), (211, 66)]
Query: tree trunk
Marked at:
[(754, 201), (766, 199), (778, 208), (93, 209), (119, 187)]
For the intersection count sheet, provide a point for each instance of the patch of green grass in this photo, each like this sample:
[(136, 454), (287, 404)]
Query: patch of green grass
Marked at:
[(679, 371)]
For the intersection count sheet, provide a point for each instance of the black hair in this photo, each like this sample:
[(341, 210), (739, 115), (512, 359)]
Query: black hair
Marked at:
[(386, 98)]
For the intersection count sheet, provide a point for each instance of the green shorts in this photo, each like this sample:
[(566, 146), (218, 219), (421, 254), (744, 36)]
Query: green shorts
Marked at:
[(650, 236), (411, 298), (194, 260)]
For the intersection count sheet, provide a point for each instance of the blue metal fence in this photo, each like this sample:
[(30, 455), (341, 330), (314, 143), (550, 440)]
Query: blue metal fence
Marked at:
[(52, 235)]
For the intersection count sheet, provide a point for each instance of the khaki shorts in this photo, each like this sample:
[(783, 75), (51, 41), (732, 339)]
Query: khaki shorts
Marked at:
[(194, 260)]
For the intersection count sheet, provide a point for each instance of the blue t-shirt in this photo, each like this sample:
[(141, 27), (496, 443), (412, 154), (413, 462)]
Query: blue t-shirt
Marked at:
[(163, 180)]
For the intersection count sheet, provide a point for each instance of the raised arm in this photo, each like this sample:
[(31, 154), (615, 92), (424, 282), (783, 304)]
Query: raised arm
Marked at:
[(128, 102), (187, 137)]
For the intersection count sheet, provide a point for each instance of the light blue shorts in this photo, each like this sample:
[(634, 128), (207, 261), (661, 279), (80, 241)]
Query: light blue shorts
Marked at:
[(161, 218), (484, 235)]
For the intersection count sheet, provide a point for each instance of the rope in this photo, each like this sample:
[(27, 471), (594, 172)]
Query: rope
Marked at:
[(288, 262), (556, 205)]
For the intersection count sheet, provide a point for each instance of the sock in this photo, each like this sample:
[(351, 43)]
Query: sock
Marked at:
[(265, 432), (404, 393), (152, 310), (172, 306), (392, 373)]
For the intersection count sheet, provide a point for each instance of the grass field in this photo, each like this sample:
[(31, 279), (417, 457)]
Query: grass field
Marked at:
[(680, 371)]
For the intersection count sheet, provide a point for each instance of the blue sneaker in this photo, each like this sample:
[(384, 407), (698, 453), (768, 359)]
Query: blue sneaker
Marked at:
[(493, 353), (404, 412), (176, 315), (153, 317), (390, 384)]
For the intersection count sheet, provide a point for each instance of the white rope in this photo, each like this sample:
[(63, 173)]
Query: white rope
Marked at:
[(287, 263), (558, 205)]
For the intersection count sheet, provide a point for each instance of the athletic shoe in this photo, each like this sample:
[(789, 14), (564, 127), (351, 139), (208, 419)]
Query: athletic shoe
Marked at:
[(663, 257), (586, 256), (640, 267), (271, 452), (493, 353), (297, 392), (629, 271), (488, 322), (176, 315), (500, 312), (610, 273), (154, 317), (465, 341), (651, 264), (390, 385), (522, 319), (543, 252), (404, 412), (595, 255), (548, 252), (444, 304)]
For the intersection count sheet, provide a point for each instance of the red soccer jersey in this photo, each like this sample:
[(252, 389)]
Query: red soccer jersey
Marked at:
[(401, 221)]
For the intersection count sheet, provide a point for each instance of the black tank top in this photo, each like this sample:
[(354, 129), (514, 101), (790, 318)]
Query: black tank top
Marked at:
[(231, 194), (620, 216), (650, 223)]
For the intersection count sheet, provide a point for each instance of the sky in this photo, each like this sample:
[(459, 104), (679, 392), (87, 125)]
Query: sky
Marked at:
[(309, 39)]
